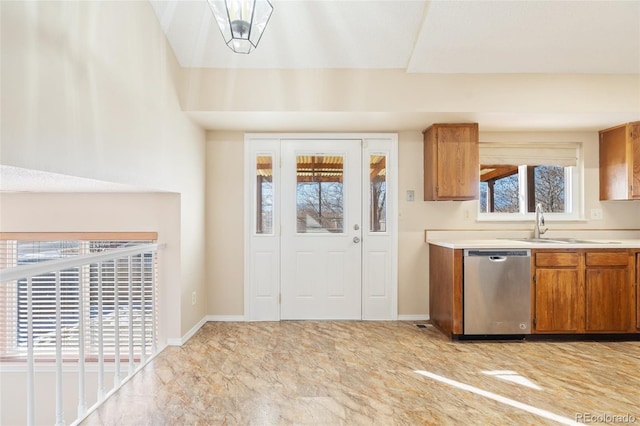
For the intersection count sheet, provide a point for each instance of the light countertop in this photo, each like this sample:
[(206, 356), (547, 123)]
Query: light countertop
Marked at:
[(506, 243)]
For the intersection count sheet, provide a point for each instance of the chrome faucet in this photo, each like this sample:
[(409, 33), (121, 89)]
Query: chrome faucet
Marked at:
[(539, 222)]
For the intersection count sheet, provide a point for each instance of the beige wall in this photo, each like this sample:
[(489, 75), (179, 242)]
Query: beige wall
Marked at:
[(225, 223), (348, 90), (225, 226), (88, 90)]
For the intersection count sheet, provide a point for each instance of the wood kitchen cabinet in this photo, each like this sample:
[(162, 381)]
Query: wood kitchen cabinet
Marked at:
[(609, 292), (445, 289), (638, 291), (451, 162), (557, 296), (574, 291), (584, 291), (620, 162)]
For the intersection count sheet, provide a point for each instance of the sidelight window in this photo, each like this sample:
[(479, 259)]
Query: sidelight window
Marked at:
[(264, 194), (378, 188)]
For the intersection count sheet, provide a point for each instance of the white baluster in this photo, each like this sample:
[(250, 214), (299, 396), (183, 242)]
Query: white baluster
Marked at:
[(100, 338), (116, 311), (153, 303), (131, 363), (59, 405), (143, 334), (30, 357), (82, 402)]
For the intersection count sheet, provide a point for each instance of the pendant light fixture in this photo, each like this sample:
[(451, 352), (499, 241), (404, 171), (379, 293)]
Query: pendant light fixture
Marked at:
[(241, 22)]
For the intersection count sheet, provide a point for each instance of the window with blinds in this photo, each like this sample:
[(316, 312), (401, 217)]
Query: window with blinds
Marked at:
[(125, 285), (514, 178)]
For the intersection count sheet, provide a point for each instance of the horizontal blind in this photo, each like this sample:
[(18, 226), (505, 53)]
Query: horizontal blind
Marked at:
[(115, 274), (8, 300), (538, 154)]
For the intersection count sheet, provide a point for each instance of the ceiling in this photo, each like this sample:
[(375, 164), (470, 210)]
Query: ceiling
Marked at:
[(419, 36)]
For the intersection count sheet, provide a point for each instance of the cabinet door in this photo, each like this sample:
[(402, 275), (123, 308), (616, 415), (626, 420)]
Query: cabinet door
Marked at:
[(557, 299), (634, 140), (458, 158), (620, 162), (608, 300), (614, 172), (638, 291)]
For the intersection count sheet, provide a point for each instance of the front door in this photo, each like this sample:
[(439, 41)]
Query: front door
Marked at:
[(321, 257), (320, 226)]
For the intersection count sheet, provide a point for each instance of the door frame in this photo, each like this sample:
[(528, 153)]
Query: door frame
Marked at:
[(262, 268)]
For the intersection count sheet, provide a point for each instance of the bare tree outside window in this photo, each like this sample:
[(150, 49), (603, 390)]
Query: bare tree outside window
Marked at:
[(319, 193), (507, 195), (502, 192), (550, 188), (320, 206), (378, 185)]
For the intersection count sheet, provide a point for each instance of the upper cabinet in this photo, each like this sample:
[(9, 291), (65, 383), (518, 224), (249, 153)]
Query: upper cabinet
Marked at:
[(620, 162), (451, 162)]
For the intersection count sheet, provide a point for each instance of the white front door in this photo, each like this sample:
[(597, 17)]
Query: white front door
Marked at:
[(321, 230), (321, 253)]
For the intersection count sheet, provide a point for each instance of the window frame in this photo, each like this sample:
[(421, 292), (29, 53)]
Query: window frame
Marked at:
[(15, 351), (574, 189)]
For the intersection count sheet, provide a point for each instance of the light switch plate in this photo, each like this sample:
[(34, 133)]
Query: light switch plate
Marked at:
[(410, 195)]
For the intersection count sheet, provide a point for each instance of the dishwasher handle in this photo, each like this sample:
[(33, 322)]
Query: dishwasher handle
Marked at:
[(497, 258), (497, 253)]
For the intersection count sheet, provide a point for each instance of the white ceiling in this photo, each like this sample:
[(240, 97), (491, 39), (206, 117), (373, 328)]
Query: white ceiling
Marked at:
[(418, 36), (446, 36)]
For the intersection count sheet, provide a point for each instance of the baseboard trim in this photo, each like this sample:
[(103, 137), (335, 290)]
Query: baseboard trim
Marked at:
[(240, 318), (225, 318), (413, 317), (181, 341)]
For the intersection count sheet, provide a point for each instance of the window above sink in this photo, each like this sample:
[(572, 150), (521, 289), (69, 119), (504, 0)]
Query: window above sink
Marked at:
[(516, 177)]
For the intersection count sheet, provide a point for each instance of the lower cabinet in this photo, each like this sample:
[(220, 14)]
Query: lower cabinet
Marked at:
[(557, 282), (638, 291), (584, 292), (609, 291)]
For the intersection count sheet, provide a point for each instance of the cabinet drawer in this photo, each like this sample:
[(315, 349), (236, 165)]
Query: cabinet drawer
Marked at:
[(607, 259), (556, 259)]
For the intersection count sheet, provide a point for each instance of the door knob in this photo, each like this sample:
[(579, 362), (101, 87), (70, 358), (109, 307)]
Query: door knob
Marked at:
[(356, 239)]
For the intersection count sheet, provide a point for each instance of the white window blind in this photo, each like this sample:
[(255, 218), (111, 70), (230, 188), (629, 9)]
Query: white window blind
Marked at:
[(126, 297), (540, 154)]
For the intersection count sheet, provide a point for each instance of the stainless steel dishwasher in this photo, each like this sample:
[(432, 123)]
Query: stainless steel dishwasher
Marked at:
[(497, 292)]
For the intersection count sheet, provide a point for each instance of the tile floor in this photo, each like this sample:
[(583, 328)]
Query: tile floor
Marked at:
[(366, 373)]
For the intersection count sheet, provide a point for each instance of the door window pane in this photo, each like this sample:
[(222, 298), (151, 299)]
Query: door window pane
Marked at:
[(378, 189), (319, 193), (264, 194)]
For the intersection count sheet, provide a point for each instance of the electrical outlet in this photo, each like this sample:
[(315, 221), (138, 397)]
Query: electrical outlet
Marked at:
[(410, 195), (466, 214), (193, 298), (596, 214)]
